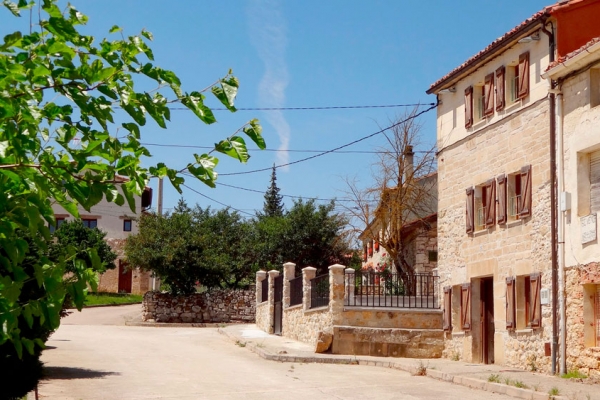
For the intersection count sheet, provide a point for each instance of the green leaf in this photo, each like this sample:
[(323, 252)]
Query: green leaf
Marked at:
[(147, 34), (254, 130), (28, 345), (14, 9), (234, 147), (11, 39), (114, 29), (195, 102)]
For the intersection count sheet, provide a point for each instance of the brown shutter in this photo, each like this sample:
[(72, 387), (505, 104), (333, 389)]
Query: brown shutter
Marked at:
[(490, 203), (448, 308), (489, 95), (365, 253), (502, 214), (469, 210), (500, 98), (525, 201), (510, 303), (523, 75), (469, 107), (535, 280), (465, 306)]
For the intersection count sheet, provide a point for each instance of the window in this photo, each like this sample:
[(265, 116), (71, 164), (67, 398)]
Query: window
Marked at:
[(433, 254), (595, 182), (588, 183), (127, 225), (518, 79), (90, 223), (488, 95), (510, 303), (485, 205), (528, 305), (448, 308), (479, 103), (519, 194), (469, 107), (59, 222), (465, 307)]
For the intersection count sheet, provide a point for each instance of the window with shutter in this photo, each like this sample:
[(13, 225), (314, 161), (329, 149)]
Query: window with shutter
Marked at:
[(500, 82), (470, 221), (448, 308), (469, 107), (490, 203), (595, 182), (488, 93), (465, 307), (523, 88), (524, 205), (535, 310), (510, 303), (501, 181)]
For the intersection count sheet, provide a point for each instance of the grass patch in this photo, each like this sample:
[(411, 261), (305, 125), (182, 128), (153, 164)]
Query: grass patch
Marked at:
[(520, 385), (575, 374), (554, 391), (494, 378), (108, 299)]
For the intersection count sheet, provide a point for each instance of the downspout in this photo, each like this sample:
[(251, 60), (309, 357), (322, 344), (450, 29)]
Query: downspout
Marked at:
[(561, 240), (554, 256)]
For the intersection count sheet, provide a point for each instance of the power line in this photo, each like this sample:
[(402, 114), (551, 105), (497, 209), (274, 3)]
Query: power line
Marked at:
[(310, 108), (216, 201), (284, 195), (337, 148)]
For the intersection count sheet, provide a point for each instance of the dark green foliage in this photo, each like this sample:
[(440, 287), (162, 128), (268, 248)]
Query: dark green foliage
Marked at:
[(273, 206), (75, 234)]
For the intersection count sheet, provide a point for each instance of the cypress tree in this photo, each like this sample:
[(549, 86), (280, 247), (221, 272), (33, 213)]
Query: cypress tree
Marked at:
[(273, 206)]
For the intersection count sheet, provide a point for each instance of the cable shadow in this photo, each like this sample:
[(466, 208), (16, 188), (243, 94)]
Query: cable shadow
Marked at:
[(69, 373)]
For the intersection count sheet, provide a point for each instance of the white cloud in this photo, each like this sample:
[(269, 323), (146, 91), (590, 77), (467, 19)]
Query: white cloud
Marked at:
[(268, 32)]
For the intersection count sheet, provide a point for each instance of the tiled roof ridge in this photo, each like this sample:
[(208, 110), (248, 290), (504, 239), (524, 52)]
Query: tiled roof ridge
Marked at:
[(572, 54), (544, 13)]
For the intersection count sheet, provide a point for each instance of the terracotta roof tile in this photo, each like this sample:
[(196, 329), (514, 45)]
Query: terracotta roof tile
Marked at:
[(573, 53)]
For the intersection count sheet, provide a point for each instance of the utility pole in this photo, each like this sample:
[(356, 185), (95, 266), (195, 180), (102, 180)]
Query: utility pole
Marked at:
[(159, 211)]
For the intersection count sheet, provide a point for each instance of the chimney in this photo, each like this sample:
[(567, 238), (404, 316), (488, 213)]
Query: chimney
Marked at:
[(409, 156)]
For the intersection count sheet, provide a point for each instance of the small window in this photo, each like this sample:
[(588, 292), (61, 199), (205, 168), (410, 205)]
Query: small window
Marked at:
[(485, 205), (518, 79), (479, 103), (59, 222), (469, 107), (519, 194), (433, 254), (127, 225), (528, 305), (90, 223)]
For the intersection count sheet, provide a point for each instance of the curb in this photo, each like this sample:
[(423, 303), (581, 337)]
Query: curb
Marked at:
[(432, 373)]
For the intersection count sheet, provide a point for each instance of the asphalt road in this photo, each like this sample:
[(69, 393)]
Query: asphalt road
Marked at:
[(95, 356)]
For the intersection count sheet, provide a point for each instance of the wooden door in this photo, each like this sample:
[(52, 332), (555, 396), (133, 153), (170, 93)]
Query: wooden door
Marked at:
[(487, 320), (124, 278)]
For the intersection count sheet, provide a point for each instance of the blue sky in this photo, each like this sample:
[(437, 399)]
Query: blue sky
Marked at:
[(292, 53)]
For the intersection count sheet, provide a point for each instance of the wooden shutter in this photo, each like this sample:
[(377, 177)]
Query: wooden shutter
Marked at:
[(502, 208), (535, 280), (490, 203), (465, 306), (488, 106), (469, 107), (448, 308), (469, 210), (523, 75), (500, 84), (595, 182), (510, 303), (365, 256), (525, 200)]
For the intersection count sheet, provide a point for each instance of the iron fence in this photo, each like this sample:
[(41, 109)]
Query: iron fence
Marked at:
[(387, 289), (264, 290), (319, 291), (296, 291)]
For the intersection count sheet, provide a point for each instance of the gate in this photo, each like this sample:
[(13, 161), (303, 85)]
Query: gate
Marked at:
[(278, 309)]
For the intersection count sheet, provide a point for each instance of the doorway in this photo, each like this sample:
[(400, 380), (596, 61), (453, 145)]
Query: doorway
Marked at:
[(124, 277), (487, 320)]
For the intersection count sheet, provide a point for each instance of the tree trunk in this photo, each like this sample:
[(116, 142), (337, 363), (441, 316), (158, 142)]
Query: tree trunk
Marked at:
[(407, 274)]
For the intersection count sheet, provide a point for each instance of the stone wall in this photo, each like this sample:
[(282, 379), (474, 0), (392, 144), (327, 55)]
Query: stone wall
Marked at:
[(305, 326), (262, 317), (518, 248), (223, 305)]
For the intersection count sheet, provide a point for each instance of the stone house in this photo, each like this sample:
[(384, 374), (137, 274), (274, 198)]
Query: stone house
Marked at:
[(496, 207), (118, 222), (576, 80)]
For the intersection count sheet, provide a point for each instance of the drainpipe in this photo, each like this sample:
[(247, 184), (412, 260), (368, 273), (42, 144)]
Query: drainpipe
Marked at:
[(561, 240), (554, 256)]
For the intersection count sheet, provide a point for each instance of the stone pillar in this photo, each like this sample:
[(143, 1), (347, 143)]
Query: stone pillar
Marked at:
[(349, 274), (289, 272), (337, 288), (271, 321), (308, 273), (260, 276)]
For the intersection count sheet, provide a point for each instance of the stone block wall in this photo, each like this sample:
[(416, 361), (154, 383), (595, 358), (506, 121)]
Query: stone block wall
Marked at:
[(223, 305), (262, 317), (518, 248)]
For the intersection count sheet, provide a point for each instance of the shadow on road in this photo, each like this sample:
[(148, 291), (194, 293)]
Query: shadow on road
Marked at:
[(74, 373)]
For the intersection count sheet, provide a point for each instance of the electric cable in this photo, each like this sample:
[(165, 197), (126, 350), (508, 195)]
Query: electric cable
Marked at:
[(311, 108), (216, 201)]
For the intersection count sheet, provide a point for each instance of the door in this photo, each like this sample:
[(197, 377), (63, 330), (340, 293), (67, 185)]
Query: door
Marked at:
[(278, 309), (124, 277), (487, 320)]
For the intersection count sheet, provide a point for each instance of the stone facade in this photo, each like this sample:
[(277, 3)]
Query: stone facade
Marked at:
[(222, 305)]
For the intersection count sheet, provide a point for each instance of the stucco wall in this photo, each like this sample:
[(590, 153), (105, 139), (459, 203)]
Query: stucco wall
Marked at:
[(518, 248)]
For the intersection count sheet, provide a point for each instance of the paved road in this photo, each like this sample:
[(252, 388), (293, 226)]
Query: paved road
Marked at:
[(95, 356)]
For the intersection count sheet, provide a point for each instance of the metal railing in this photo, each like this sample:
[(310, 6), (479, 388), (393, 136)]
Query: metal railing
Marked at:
[(387, 289), (264, 290), (319, 291), (296, 291), (513, 206)]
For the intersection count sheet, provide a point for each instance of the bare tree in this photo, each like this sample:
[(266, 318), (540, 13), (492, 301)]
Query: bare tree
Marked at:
[(404, 191)]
